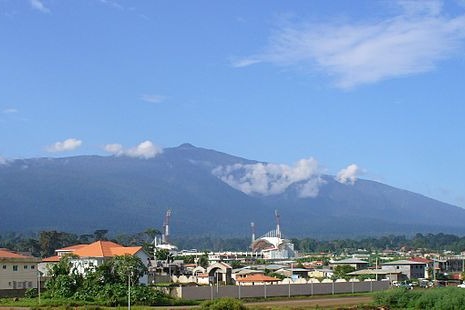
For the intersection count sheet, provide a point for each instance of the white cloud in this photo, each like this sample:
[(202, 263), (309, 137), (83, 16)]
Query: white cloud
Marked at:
[(367, 52), (348, 175), (113, 4), (153, 98), (3, 161), (39, 6), (115, 149), (10, 111), (63, 146), (145, 150), (272, 179)]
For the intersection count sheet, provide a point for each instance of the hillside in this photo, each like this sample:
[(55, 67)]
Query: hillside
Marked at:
[(122, 194)]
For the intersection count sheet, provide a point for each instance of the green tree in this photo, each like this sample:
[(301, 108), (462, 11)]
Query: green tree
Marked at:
[(100, 234), (203, 260), (162, 254), (49, 241), (341, 271)]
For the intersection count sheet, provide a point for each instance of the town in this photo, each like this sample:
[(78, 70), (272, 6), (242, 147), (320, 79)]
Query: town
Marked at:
[(271, 267)]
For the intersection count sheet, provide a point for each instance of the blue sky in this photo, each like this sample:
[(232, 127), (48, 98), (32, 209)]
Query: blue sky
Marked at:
[(372, 87)]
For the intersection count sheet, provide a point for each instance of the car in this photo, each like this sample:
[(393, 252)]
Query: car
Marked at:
[(461, 285)]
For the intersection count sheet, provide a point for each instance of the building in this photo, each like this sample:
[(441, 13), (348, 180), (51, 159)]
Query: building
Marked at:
[(17, 271), (273, 245), (411, 269), (353, 262), (88, 256), (257, 279)]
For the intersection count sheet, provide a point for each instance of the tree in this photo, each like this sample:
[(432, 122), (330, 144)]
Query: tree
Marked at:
[(64, 279), (162, 254), (49, 241), (152, 233), (341, 271), (203, 261), (99, 234)]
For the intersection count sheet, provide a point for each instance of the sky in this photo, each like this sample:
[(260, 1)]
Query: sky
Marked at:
[(357, 89)]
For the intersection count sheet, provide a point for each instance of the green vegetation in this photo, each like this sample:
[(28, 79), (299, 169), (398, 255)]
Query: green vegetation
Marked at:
[(223, 304), (441, 298), (107, 284), (341, 271)]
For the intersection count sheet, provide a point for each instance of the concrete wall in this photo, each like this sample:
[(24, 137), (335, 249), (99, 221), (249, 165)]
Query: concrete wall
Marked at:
[(236, 291)]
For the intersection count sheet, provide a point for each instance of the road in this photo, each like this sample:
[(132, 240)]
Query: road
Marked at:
[(312, 303)]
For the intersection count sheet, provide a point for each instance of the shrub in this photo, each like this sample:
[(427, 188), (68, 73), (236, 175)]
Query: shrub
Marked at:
[(31, 293), (223, 304)]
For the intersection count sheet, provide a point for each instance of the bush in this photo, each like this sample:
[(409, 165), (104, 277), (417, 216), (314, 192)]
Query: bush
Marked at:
[(31, 293), (439, 298), (223, 304)]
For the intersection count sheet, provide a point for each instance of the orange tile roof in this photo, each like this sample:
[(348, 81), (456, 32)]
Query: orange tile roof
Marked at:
[(71, 248), (5, 253), (101, 249), (258, 278), (51, 259)]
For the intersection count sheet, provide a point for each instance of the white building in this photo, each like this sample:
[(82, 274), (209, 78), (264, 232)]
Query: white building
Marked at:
[(17, 271), (88, 256)]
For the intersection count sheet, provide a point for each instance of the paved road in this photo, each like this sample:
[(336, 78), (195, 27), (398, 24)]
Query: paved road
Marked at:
[(320, 302), (300, 303)]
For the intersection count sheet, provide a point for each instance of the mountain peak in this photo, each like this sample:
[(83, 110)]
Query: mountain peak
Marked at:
[(186, 146)]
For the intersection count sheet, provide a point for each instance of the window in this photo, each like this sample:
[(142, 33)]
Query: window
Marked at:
[(15, 267), (25, 266), (4, 267), (33, 267)]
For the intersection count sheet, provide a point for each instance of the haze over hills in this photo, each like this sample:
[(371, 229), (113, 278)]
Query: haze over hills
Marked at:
[(209, 193)]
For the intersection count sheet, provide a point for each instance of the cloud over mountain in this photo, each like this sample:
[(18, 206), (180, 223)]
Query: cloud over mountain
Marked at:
[(348, 175), (64, 146), (144, 150), (272, 179)]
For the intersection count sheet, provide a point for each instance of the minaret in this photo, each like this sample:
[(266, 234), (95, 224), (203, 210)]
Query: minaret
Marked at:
[(252, 227), (278, 229), (166, 227)]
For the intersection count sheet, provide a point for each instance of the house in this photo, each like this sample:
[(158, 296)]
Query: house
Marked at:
[(88, 256), (353, 262), (321, 273), (17, 271), (411, 269), (257, 279), (429, 265)]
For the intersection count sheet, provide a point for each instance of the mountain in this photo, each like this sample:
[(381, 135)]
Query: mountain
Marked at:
[(122, 194)]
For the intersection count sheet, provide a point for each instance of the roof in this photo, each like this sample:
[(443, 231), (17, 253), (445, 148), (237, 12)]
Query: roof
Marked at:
[(71, 248), (404, 262), (349, 261), (248, 272), (5, 253), (421, 260), (101, 249), (51, 259), (258, 278), (373, 271)]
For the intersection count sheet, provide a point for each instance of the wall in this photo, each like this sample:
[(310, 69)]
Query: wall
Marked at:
[(236, 291)]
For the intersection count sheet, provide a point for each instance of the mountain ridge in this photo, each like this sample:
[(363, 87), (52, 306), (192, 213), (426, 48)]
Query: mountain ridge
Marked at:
[(123, 194)]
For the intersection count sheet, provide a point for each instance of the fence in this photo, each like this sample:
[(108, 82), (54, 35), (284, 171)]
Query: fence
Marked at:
[(309, 289)]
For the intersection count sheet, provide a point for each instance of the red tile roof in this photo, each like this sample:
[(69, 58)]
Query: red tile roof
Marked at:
[(421, 260), (258, 278), (5, 253), (100, 249), (51, 259)]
